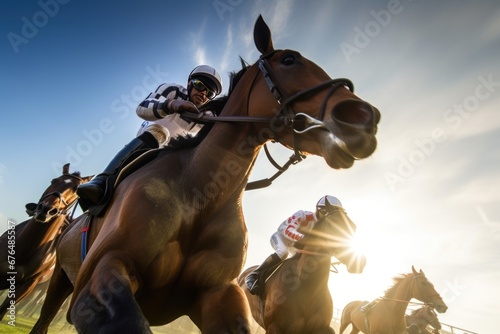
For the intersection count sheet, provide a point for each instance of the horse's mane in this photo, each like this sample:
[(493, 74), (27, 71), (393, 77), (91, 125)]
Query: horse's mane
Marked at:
[(77, 174), (215, 106), (396, 281)]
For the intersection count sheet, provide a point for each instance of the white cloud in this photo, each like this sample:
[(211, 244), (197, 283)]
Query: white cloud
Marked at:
[(228, 53), (200, 56)]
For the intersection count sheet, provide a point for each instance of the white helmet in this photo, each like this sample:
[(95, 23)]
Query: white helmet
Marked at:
[(328, 202), (208, 72)]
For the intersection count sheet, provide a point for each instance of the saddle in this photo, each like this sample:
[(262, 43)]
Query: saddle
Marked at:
[(366, 307), (266, 274), (113, 180)]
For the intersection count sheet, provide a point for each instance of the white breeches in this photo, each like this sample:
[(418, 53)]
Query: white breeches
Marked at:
[(161, 134), (282, 246)]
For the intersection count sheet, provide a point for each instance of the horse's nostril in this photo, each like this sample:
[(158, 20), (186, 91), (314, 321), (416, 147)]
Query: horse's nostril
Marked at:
[(354, 112)]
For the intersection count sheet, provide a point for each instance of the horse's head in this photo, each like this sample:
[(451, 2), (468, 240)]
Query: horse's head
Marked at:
[(424, 291), (332, 235), (58, 197), (427, 314), (413, 329), (311, 112)]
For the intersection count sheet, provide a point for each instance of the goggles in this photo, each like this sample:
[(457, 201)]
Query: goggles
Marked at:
[(326, 212), (200, 86)]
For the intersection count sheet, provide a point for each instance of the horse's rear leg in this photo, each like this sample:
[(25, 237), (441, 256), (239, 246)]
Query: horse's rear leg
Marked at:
[(106, 303), (344, 325), (224, 310), (59, 289)]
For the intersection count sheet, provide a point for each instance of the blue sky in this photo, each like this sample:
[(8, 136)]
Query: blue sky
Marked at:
[(73, 71)]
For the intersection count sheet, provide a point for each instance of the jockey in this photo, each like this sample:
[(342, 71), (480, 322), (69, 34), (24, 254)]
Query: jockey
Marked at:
[(161, 111), (284, 239)]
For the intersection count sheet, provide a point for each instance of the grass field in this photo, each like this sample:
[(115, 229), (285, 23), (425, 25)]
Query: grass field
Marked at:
[(23, 325)]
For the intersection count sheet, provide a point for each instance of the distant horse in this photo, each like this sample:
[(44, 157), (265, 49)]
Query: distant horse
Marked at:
[(27, 251), (296, 298), (173, 239), (387, 316), (422, 317)]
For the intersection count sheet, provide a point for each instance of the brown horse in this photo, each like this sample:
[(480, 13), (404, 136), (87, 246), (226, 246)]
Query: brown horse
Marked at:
[(387, 316), (422, 317), (296, 298), (173, 239), (27, 250)]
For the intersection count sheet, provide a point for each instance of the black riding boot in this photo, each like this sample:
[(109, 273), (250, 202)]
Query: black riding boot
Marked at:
[(253, 280), (92, 192)]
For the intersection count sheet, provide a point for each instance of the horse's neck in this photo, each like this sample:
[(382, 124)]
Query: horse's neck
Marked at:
[(399, 297), (224, 160), (315, 269), (227, 155), (36, 234)]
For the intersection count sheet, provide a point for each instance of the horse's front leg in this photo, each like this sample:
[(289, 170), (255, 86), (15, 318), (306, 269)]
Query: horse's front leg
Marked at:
[(223, 310), (106, 302), (59, 289)]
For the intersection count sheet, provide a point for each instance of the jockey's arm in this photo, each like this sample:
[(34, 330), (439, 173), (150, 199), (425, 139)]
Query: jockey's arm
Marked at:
[(293, 223), (166, 100)]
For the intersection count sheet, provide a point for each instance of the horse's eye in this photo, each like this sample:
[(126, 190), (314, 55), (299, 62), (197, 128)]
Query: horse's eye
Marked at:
[(288, 59)]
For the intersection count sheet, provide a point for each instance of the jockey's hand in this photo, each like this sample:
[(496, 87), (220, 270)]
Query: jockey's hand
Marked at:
[(179, 106)]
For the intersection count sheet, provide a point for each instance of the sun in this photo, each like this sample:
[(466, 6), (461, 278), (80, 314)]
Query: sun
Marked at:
[(374, 238), (359, 244)]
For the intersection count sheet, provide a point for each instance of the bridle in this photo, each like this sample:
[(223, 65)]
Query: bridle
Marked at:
[(63, 210), (299, 122), (286, 112), (429, 297)]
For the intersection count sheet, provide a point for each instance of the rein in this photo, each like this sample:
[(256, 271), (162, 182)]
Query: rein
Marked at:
[(403, 301), (67, 206), (407, 301), (302, 251), (299, 122)]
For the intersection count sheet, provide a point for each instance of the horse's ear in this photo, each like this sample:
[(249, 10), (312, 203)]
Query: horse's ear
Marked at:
[(66, 169), (414, 271), (262, 36), (31, 208)]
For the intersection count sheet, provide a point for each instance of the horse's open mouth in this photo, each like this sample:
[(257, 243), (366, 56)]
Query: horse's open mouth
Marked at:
[(348, 136), (304, 123)]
